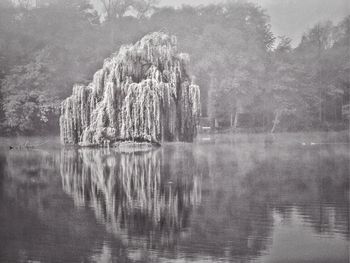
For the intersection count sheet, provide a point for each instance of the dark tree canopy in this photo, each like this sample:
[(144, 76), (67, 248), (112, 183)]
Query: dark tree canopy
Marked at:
[(248, 76)]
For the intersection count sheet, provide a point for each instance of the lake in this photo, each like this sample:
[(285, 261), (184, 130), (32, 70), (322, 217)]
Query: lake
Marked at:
[(224, 198)]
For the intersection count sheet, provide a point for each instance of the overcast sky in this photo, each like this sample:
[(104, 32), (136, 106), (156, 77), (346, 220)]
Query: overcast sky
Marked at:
[(290, 17)]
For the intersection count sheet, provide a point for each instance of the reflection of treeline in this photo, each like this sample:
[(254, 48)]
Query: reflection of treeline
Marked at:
[(227, 224), (213, 200), (314, 181), (38, 221), (248, 184), (244, 81), (29, 169), (130, 192)]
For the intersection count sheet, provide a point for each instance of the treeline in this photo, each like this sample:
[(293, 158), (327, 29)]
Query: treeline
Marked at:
[(248, 77)]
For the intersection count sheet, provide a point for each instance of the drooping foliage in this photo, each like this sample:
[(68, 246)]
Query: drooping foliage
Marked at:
[(247, 78), (142, 93)]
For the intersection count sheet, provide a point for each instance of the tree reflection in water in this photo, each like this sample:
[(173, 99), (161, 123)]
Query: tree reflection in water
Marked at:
[(229, 201), (131, 192), (39, 223), (209, 201)]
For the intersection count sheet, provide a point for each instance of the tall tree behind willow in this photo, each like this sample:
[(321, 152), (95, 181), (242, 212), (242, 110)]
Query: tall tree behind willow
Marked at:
[(52, 50), (47, 47), (228, 44), (323, 55)]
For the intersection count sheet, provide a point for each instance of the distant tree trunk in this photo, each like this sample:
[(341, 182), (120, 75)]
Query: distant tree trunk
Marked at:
[(236, 120), (238, 111), (276, 121), (320, 112), (334, 110), (341, 109), (263, 120)]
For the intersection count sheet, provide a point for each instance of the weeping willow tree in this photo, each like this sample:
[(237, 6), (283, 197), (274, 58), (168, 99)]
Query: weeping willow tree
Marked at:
[(143, 93)]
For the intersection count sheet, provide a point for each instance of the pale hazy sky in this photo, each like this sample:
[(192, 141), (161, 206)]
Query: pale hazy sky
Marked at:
[(290, 17)]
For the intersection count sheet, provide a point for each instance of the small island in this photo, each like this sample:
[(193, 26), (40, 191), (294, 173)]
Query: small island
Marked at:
[(142, 94)]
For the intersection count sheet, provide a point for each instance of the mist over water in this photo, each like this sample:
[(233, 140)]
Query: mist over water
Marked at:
[(222, 199), (259, 89)]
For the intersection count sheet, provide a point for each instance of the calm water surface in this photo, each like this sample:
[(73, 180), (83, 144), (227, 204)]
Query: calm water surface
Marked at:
[(221, 199)]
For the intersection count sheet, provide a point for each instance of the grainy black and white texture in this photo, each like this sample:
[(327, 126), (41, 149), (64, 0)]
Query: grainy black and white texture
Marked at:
[(142, 93), (136, 131)]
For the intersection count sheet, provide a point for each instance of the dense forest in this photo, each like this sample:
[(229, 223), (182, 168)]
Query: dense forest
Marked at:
[(249, 78)]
